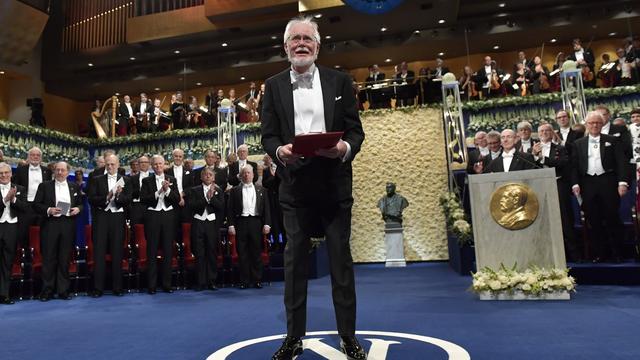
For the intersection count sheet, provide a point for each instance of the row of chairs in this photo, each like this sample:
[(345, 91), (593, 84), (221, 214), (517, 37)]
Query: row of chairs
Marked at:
[(27, 267)]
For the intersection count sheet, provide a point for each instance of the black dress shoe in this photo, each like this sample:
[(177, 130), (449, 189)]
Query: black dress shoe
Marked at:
[(45, 296), (96, 294), (6, 301), (242, 286), (212, 287), (167, 290), (117, 293), (197, 288), (351, 347), (291, 347), (258, 285), (64, 296), (151, 291)]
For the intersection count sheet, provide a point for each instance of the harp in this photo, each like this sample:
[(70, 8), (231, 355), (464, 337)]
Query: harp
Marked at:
[(96, 115)]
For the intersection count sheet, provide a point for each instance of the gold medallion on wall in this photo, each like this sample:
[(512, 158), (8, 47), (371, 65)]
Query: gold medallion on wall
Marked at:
[(514, 206)]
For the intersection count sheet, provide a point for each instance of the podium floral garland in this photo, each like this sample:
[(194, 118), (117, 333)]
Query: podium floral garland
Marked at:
[(457, 222), (532, 281)]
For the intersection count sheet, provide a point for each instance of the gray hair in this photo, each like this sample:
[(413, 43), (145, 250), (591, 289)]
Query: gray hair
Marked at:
[(301, 20), (524, 125), (245, 169), (5, 165), (493, 134)]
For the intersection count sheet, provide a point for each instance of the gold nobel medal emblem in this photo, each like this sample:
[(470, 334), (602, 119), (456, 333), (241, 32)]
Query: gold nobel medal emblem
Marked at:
[(514, 206)]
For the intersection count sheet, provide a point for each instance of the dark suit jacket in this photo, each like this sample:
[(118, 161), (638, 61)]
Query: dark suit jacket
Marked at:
[(572, 136), (611, 155), (149, 189), (588, 57), (99, 190), (123, 111), (371, 79), (474, 156), (234, 172), (21, 176), (221, 178), (18, 207), (46, 197), (187, 178), (197, 202), (411, 76), (521, 161), (262, 210), (99, 172), (330, 179), (558, 159), (519, 144)]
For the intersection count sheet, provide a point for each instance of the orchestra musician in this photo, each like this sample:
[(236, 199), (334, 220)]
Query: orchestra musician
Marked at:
[(554, 75), (586, 60), (468, 86), (126, 118), (539, 77), (143, 117), (194, 114), (178, 112), (624, 69)]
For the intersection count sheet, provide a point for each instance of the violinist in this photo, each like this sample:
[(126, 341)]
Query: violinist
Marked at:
[(539, 77), (554, 75), (488, 77), (608, 72), (522, 58), (468, 86), (251, 101), (160, 121), (521, 78), (178, 112), (126, 118), (142, 114), (194, 114), (624, 69), (586, 61)]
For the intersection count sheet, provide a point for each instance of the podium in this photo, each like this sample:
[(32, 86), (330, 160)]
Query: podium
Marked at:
[(506, 227)]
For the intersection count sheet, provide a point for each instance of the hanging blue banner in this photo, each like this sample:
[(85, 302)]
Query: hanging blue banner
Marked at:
[(373, 7)]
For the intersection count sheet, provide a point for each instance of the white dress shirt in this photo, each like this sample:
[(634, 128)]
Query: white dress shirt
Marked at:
[(205, 216), (544, 153), (143, 175), (484, 151), (489, 72), (525, 144), (595, 162), (507, 158), (111, 184), (605, 129), (128, 105), (143, 108), (494, 155), (6, 218), (308, 104), (35, 179), (62, 194), (248, 200), (161, 206), (177, 173), (579, 55), (564, 133)]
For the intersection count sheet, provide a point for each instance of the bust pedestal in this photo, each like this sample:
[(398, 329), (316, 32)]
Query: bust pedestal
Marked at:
[(395, 244)]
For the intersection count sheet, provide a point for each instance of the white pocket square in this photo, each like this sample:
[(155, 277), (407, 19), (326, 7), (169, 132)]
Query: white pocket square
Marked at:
[(607, 144), (338, 97), (75, 194), (17, 193), (616, 134)]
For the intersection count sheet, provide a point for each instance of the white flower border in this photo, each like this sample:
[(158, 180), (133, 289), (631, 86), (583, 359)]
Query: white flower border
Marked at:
[(533, 281)]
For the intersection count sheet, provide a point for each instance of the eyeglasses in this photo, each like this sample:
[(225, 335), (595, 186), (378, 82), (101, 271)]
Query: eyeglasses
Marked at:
[(493, 142), (301, 38)]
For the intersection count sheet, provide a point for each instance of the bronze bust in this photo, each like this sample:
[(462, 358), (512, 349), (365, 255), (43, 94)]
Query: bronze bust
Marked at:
[(392, 205)]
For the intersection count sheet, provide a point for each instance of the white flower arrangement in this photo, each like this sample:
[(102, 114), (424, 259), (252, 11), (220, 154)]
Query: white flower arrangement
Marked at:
[(456, 218), (533, 281)]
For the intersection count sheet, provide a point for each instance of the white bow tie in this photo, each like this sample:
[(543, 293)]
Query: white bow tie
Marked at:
[(505, 155), (303, 81)]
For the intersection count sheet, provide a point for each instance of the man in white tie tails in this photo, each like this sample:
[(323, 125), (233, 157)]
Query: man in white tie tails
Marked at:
[(234, 169), (600, 178), (315, 192)]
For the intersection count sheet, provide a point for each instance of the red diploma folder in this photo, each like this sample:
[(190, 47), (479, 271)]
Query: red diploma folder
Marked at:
[(307, 144)]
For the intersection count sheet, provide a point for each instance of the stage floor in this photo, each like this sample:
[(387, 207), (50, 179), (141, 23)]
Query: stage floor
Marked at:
[(423, 311)]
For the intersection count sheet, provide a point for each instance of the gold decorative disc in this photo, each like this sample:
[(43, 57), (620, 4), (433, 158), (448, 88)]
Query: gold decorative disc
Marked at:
[(514, 206)]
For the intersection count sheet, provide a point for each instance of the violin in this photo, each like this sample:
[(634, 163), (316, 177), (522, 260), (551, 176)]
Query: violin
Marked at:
[(543, 80), (587, 74), (133, 129), (495, 81)]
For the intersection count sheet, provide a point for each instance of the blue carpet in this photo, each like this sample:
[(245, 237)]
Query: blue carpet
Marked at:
[(426, 299)]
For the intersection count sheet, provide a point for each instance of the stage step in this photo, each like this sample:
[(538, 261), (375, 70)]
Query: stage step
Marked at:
[(625, 273)]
